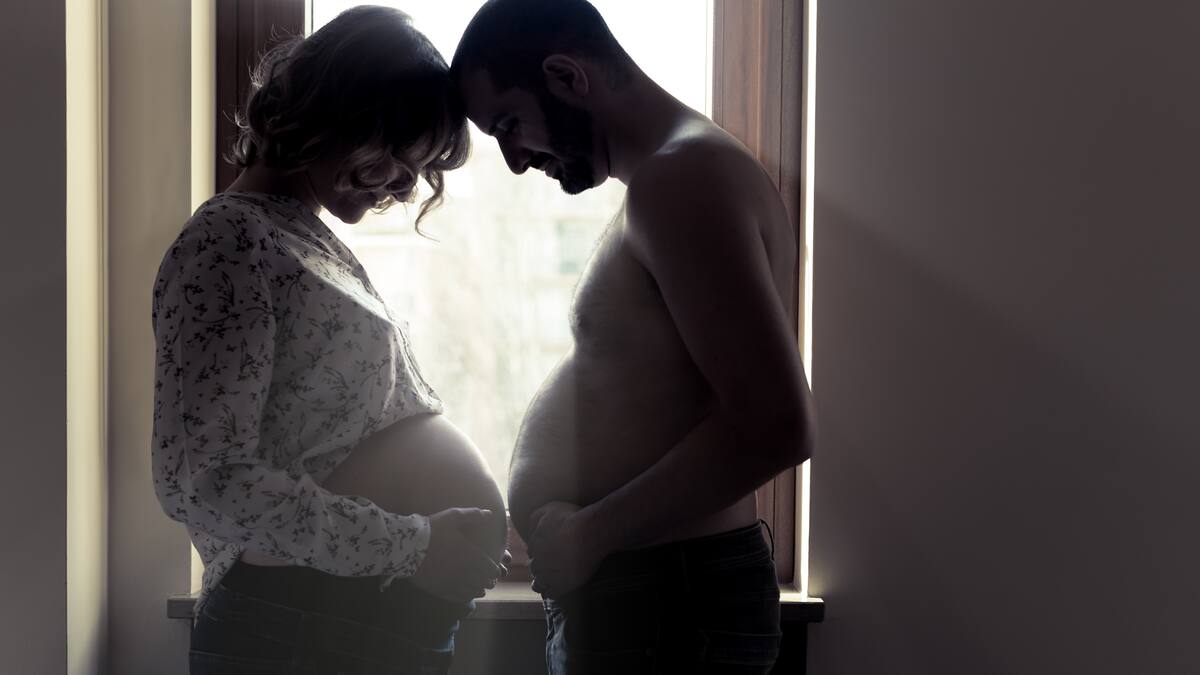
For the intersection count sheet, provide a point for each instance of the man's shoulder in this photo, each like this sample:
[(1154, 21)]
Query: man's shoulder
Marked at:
[(699, 176), (704, 155)]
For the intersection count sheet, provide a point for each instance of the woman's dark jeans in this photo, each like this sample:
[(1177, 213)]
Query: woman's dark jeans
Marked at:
[(706, 605), (277, 620)]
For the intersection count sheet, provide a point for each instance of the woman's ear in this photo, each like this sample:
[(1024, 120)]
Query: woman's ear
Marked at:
[(565, 77)]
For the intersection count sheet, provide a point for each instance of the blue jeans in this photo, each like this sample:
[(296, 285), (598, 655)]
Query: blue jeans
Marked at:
[(706, 605), (295, 621)]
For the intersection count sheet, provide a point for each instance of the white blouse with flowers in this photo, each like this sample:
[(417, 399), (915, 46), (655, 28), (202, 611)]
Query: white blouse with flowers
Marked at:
[(275, 357)]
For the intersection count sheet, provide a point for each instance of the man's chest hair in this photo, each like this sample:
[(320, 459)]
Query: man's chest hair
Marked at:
[(617, 302)]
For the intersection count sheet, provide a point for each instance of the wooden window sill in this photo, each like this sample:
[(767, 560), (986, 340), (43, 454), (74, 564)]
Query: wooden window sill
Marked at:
[(515, 601)]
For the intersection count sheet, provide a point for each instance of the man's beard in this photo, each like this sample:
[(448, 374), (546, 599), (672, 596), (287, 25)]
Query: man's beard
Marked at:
[(570, 138)]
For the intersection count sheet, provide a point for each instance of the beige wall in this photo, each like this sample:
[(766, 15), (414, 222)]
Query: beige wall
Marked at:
[(33, 359), (1006, 327), (87, 456), (87, 526), (149, 200)]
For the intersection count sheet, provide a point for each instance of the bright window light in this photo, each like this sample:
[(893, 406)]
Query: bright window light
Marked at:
[(487, 302)]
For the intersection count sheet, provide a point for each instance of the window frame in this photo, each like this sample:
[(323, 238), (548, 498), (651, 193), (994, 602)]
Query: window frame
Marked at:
[(757, 83), (758, 78), (246, 29)]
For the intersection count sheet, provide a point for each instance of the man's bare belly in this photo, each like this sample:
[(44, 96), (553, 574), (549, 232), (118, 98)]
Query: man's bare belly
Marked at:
[(598, 423), (421, 464), (621, 400)]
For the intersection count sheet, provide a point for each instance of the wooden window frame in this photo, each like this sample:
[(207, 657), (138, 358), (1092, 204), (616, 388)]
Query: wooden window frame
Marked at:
[(758, 78), (758, 51), (246, 29)]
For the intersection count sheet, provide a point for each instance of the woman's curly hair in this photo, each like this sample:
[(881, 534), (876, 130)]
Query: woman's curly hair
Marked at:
[(367, 82)]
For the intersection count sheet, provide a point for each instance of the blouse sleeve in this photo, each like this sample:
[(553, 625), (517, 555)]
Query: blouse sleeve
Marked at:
[(214, 326)]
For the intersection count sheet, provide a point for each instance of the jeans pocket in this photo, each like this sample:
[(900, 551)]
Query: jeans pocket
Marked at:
[(727, 651)]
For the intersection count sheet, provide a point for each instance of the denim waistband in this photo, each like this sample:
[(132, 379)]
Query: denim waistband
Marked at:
[(401, 608), (742, 545), (306, 636)]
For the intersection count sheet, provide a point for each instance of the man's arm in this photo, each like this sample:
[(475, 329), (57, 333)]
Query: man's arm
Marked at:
[(707, 255)]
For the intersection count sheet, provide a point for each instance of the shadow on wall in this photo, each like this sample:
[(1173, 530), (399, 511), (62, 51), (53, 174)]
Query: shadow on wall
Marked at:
[(976, 500)]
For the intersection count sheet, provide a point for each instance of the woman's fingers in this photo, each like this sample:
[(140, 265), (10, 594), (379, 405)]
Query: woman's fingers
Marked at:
[(482, 566), (456, 567), (460, 517), (476, 590)]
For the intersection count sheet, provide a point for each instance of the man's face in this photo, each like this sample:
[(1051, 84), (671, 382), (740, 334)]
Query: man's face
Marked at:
[(536, 130)]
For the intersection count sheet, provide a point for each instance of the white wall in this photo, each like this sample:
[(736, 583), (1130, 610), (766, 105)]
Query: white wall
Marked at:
[(33, 520), (1006, 327)]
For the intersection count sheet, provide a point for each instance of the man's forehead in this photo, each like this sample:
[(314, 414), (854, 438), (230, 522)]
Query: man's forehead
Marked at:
[(484, 102)]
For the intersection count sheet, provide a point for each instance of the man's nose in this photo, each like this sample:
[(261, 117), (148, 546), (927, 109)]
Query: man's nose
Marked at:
[(516, 157)]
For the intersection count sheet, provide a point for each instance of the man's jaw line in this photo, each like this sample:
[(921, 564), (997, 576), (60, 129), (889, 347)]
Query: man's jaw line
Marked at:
[(629, 142)]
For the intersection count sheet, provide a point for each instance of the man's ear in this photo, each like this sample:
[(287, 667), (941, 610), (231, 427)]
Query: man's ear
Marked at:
[(565, 77)]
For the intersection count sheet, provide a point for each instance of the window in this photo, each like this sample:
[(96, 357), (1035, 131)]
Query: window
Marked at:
[(487, 301)]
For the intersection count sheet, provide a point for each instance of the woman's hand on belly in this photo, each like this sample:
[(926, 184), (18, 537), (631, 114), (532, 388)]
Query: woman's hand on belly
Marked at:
[(455, 567)]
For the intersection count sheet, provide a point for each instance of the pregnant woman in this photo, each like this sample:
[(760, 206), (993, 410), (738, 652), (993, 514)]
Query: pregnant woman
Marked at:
[(345, 524)]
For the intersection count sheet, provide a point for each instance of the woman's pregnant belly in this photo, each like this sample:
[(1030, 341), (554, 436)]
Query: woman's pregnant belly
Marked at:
[(421, 464)]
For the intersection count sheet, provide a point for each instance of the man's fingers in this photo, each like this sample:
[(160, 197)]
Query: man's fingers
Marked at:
[(540, 515)]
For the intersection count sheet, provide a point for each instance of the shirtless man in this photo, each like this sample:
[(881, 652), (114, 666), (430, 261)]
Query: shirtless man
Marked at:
[(634, 473)]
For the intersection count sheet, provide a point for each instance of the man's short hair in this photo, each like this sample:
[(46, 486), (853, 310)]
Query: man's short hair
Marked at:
[(509, 39)]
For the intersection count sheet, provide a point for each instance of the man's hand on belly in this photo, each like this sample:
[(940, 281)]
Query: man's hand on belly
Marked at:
[(563, 549)]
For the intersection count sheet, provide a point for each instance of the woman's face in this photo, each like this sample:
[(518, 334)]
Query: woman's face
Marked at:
[(349, 205)]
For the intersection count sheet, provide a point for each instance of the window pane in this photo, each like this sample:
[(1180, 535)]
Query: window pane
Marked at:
[(487, 302)]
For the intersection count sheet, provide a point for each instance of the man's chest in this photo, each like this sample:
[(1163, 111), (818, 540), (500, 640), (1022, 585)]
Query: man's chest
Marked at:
[(618, 310)]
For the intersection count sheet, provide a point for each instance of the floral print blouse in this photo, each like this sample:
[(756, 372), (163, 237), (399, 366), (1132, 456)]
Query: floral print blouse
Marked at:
[(275, 356)]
